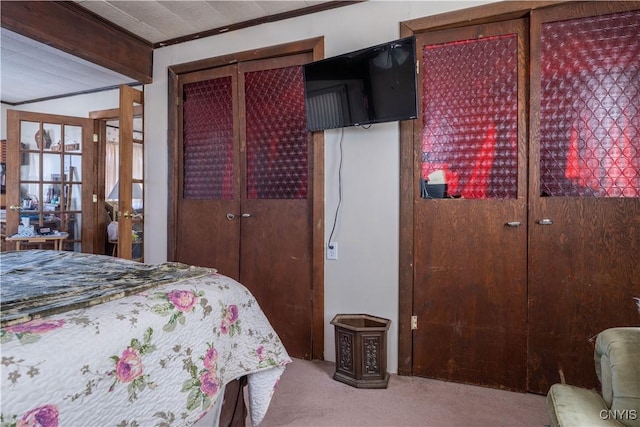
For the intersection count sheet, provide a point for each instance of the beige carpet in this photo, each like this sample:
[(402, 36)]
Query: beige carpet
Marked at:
[(307, 395)]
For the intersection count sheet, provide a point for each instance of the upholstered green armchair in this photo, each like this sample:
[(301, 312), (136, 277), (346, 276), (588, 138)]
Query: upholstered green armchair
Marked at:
[(617, 360)]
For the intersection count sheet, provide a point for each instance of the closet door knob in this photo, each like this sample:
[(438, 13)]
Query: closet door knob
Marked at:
[(513, 224), (231, 216), (15, 208), (545, 221)]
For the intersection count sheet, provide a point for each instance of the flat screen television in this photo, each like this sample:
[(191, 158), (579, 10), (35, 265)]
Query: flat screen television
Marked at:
[(372, 85)]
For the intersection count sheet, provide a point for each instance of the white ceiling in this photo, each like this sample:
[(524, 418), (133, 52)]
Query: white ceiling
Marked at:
[(157, 21), (31, 71)]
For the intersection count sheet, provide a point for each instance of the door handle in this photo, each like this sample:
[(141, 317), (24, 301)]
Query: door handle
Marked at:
[(15, 208), (513, 224), (545, 221), (231, 216)]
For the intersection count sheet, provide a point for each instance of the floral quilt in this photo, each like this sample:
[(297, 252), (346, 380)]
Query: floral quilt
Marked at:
[(159, 356)]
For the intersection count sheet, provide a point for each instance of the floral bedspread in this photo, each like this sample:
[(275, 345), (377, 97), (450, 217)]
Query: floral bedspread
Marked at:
[(157, 357)]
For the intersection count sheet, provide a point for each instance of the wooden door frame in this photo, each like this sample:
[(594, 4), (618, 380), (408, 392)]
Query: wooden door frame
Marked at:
[(315, 46), (100, 119)]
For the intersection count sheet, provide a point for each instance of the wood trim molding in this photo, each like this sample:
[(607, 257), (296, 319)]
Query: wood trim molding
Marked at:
[(406, 253), (320, 7), (114, 113), (493, 12), (173, 124), (72, 29), (318, 219), (572, 10), (301, 46)]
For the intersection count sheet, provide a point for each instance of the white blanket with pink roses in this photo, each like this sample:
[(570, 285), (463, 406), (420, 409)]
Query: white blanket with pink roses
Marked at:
[(160, 356)]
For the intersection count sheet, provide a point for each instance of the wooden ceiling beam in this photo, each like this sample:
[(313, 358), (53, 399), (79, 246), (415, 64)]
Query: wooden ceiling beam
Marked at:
[(76, 31)]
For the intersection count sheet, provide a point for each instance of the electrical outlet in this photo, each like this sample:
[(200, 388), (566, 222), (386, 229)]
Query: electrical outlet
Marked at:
[(332, 250)]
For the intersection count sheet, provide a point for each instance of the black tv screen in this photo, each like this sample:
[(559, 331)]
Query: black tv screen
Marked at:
[(372, 85)]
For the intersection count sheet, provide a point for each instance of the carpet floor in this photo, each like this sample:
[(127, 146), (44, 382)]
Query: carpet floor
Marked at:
[(307, 395)]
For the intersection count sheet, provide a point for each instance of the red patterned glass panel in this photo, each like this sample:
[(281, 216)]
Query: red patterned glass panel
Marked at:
[(208, 140), (589, 118), (276, 134), (470, 112)]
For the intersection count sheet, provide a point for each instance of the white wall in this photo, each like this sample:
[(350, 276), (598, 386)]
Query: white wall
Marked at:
[(76, 106), (365, 277), (3, 120)]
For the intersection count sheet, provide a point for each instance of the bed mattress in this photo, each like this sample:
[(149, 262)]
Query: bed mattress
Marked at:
[(90, 340)]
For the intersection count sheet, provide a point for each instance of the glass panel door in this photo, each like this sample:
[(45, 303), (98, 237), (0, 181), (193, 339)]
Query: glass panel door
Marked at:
[(469, 216), (130, 184), (584, 246), (45, 171), (276, 199), (208, 229)]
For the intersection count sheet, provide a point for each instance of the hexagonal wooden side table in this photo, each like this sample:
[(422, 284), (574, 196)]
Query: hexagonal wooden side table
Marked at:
[(361, 350)]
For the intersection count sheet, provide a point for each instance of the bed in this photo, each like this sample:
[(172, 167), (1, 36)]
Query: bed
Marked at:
[(91, 340)]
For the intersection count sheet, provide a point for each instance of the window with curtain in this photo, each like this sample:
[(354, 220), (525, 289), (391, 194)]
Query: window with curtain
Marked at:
[(112, 159)]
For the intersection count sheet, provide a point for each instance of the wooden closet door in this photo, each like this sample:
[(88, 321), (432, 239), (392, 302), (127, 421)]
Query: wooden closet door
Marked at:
[(246, 197), (208, 205), (276, 229), (584, 225), (470, 275)]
